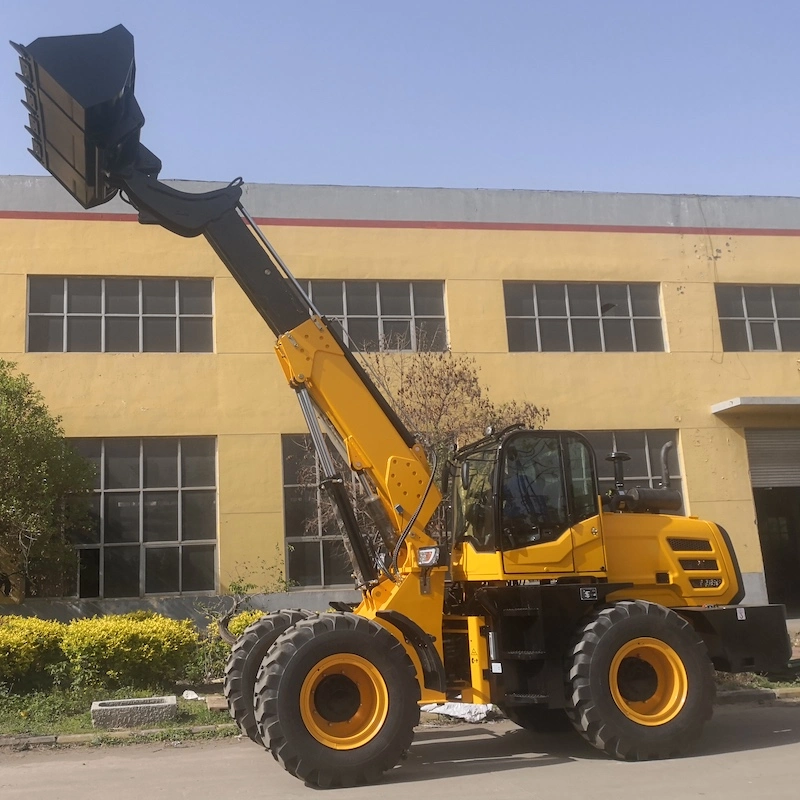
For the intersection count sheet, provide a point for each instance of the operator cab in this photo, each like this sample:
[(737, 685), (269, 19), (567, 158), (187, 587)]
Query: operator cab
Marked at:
[(522, 488)]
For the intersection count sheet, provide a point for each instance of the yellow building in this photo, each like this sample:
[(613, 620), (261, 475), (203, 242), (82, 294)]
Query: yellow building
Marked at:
[(635, 318)]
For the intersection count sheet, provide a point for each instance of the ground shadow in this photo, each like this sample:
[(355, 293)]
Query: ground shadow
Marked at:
[(740, 728), (460, 750), (482, 749)]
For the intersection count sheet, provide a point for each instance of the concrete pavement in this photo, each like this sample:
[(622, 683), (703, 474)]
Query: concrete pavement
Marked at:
[(746, 752)]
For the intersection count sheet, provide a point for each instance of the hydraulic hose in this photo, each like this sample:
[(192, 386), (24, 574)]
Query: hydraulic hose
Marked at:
[(414, 516)]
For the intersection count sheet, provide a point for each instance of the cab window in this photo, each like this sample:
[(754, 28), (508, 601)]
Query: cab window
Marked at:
[(533, 500), (473, 502), (581, 479)]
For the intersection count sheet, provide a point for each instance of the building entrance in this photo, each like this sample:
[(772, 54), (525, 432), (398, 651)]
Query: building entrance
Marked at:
[(778, 515)]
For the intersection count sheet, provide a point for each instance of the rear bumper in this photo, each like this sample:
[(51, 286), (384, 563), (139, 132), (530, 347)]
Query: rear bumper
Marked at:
[(743, 638)]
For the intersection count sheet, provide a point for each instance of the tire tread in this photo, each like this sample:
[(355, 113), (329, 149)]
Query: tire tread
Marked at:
[(268, 684), (258, 636), (582, 707)]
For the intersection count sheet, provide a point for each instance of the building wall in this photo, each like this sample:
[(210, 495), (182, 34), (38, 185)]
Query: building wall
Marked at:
[(471, 240)]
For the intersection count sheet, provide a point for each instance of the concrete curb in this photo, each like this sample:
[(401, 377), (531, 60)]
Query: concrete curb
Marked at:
[(789, 696), (23, 742)]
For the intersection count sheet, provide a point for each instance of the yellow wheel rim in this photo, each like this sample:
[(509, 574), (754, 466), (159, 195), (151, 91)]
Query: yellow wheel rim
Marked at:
[(344, 701), (648, 681)]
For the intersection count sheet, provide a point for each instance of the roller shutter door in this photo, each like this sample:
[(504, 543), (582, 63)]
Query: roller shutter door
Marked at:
[(774, 457)]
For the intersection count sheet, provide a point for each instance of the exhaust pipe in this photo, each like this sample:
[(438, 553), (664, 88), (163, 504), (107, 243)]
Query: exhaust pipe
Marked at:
[(666, 482)]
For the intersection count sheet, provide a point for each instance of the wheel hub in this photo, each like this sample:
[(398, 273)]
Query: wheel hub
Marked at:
[(648, 681), (637, 679), (344, 701), (336, 698)]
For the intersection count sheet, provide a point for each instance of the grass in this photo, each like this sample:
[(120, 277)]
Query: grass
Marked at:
[(730, 681), (63, 711)]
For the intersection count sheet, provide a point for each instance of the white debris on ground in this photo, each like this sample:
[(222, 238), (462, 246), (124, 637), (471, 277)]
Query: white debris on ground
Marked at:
[(466, 711), (190, 695)]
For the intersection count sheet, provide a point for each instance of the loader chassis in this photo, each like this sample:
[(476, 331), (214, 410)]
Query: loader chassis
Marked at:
[(554, 603)]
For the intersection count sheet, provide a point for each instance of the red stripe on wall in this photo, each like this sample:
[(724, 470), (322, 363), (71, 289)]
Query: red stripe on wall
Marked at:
[(68, 215), (427, 225)]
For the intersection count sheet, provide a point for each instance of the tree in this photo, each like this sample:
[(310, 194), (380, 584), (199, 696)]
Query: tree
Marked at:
[(440, 398), (42, 480), (249, 580)]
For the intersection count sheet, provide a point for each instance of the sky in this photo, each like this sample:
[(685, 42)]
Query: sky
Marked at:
[(684, 97)]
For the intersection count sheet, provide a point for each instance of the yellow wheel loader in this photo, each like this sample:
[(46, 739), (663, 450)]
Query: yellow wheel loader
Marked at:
[(557, 604)]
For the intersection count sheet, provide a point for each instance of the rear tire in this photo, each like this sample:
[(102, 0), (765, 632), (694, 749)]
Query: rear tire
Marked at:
[(246, 656), (640, 684), (337, 700), (539, 719)]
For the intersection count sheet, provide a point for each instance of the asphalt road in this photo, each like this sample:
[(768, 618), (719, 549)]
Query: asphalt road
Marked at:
[(746, 752)]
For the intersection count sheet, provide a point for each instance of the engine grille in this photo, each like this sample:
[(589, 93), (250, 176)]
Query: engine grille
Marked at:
[(694, 564), (690, 545)]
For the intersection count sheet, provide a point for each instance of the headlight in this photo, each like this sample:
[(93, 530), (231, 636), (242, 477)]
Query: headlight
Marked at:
[(428, 556)]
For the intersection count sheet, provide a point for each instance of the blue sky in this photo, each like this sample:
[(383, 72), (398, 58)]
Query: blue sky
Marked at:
[(610, 95)]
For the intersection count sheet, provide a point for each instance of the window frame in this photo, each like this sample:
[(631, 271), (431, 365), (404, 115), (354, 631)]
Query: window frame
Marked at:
[(570, 318), (652, 476), (383, 319), (183, 545), (749, 320), (104, 316), (320, 537)]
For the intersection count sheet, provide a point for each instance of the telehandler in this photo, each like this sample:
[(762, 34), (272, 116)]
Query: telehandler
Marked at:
[(554, 603)]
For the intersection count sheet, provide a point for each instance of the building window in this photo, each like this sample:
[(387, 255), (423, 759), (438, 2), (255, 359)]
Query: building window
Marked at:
[(154, 510), (583, 317), (759, 317), (384, 315), (315, 552), (644, 448), (119, 315)]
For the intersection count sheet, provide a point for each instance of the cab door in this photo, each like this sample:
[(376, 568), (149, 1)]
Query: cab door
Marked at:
[(532, 502), (584, 503), (548, 505)]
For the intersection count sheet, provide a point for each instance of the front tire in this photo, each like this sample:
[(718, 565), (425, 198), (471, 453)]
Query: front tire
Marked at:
[(246, 656), (336, 701), (640, 684)]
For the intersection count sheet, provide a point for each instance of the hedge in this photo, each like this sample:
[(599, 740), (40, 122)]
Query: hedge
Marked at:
[(138, 650), (29, 649), (242, 620)]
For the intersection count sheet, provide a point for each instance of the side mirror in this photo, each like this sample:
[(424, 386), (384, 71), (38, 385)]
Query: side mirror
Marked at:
[(446, 477), (465, 474)]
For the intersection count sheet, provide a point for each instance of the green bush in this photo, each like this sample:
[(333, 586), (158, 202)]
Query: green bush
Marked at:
[(29, 650), (213, 652), (141, 649), (243, 619), (138, 650)]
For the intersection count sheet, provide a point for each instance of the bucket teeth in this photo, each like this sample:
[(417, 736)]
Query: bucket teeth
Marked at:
[(83, 115)]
